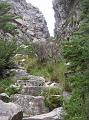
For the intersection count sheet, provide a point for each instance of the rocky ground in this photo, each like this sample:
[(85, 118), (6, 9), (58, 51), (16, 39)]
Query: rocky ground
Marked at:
[(28, 104)]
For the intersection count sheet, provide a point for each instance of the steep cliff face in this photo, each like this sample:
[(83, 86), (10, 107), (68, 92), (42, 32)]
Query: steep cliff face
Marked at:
[(32, 23), (67, 13)]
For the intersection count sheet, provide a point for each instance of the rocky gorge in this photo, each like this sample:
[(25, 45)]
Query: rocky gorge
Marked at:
[(28, 102)]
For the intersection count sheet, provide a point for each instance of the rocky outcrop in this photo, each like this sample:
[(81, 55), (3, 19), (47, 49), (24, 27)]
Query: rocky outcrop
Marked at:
[(10, 111), (32, 23), (67, 13)]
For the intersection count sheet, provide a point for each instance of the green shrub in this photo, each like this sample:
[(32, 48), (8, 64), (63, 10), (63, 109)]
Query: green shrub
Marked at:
[(76, 52), (4, 83), (53, 102), (7, 51), (12, 89), (74, 107), (52, 97), (2, 89), (7, 46)]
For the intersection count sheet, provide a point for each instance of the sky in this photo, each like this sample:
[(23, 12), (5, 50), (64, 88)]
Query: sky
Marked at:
[(46, 7)]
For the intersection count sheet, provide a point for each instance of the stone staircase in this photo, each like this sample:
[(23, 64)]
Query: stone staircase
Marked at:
[(29, 98)]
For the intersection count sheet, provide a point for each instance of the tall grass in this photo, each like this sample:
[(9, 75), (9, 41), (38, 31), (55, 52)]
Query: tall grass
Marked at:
[(50, 70)]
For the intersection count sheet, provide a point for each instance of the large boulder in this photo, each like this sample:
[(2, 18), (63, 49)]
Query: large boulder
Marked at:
[(10, 111), (53, 115), (31, 105)]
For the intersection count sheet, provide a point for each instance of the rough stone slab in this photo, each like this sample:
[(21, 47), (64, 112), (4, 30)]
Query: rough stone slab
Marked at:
[(31, 105), (53, 115)]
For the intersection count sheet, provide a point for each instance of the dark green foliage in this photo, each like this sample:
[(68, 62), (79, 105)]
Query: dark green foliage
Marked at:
[(7, 47), (52, 97), (53, 102), (11, 90), (7, 51), (76, 52), (4, 83)]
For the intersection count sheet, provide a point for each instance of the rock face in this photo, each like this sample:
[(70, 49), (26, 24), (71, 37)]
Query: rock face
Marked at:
[(32, 23), (31, 105), (10, 111), (67, 13)]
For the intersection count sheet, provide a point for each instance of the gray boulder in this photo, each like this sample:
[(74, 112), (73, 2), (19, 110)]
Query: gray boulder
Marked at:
[(53, 115), (31, 105), (10, 111)]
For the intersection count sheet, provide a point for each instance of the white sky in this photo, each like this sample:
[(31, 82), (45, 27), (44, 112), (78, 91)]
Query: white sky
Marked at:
[(46, 7)]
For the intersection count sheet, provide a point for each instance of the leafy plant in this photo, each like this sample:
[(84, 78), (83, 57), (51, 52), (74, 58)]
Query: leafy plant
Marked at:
[(4, 83), (12, 89), (52, 97), (7, 51)]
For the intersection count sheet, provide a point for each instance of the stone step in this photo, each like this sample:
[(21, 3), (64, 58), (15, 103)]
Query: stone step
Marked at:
[(32, 90), (53, 115), (30, 105), (35, 90), (31, 80)]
